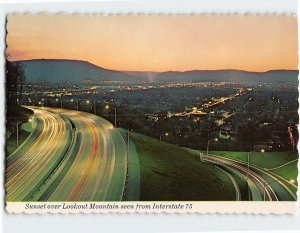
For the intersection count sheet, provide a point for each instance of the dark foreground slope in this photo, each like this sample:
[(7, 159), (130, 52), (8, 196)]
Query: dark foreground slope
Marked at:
[(169, 172)]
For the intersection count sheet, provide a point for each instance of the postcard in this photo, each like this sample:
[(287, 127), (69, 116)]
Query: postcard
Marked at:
[(151, 113)]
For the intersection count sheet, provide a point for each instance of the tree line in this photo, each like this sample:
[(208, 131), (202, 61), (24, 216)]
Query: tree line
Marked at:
[(15, 78)]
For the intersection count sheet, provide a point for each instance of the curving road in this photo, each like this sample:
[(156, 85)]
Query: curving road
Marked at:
[(70, 156), (77, 156), (269, 187)]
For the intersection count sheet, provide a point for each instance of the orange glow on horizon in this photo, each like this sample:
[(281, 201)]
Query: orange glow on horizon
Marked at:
[(158, 43)]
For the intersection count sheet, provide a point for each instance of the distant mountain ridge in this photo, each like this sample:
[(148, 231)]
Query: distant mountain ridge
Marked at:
[(56, 70)]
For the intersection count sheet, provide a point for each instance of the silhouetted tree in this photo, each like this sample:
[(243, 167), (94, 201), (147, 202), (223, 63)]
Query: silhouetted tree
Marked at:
[(15, 78)]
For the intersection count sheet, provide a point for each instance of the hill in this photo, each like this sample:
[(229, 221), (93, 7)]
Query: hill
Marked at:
[(273, 76), (69, 70), (54, 70), (172, 173)]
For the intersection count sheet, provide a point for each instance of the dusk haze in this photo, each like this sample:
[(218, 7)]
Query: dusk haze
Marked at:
[(158, 43)]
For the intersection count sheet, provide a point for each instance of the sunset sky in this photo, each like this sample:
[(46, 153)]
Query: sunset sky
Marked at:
[(158, 43)]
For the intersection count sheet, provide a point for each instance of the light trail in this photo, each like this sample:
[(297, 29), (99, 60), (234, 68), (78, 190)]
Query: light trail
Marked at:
[(34, 162), (97, 170), (274, 188)]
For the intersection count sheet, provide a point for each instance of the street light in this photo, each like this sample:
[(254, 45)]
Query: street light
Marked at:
[(207, 147), (61, 103), (31, 101), (248, 159), (31, 121), (165, 134), (17, 126), (77, 103), (44, 102), (107, 107), (248, 168), (88, 102), (94, 106)]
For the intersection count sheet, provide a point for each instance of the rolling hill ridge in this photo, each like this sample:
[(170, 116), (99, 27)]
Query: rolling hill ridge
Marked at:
[(55, 70)]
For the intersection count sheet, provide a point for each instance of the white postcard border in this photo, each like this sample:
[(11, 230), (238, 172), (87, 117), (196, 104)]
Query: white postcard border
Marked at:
[(203, 207)]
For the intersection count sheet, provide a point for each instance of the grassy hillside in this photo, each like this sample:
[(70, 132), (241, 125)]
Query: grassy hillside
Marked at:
[(11, 142), (16, 114), (169, 172), (288, 172)]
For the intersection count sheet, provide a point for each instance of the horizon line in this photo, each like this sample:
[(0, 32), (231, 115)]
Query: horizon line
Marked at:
[(147, 71)]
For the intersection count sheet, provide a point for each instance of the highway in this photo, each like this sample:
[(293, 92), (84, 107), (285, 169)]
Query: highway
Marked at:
[(33, 162), (78, 156), (269, 187), (70, 156)]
